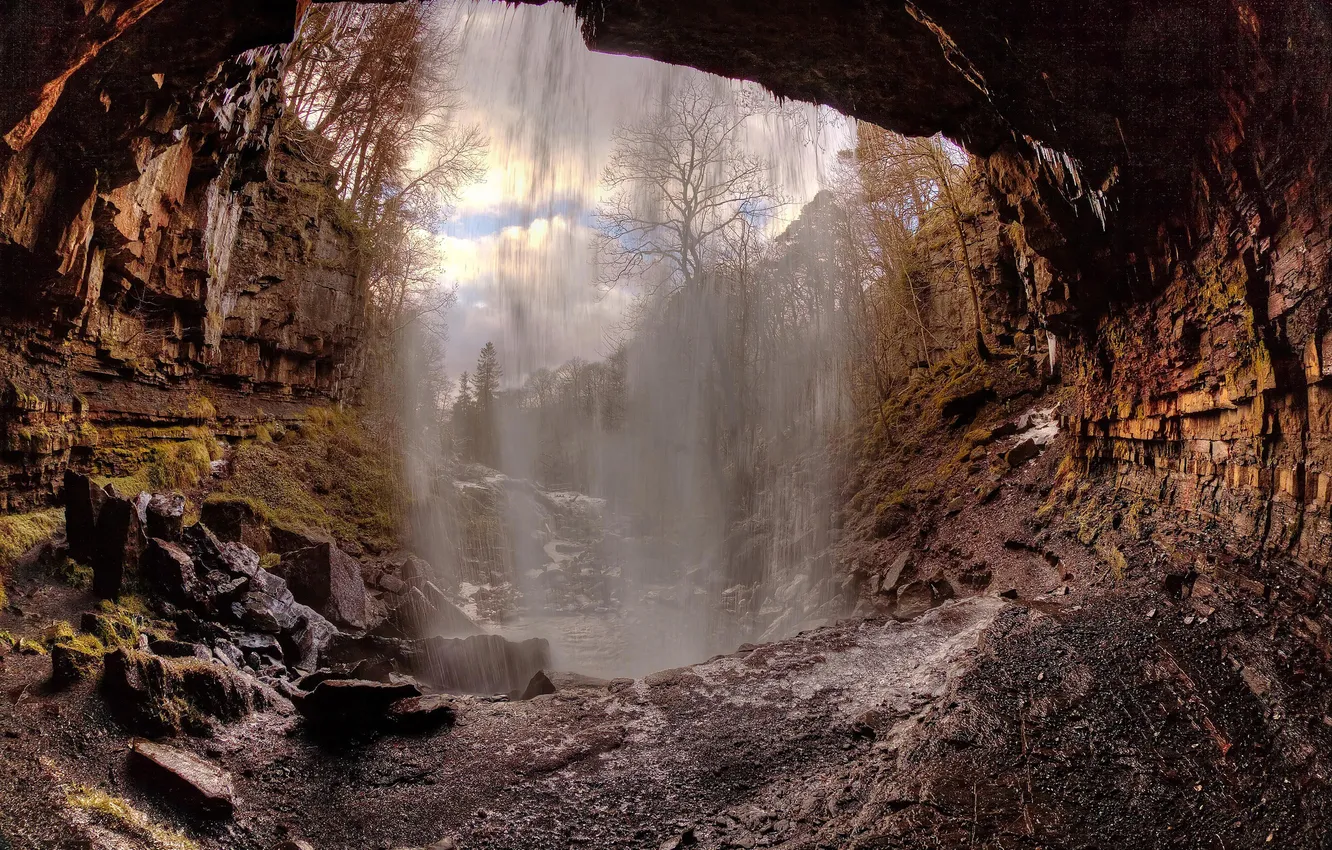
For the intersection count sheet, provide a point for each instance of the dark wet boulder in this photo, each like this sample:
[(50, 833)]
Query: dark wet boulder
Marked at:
[(170, 572), (329, 581), (540, 685), (1021, 453), (422, 714), (83, 504), (481, 664), (164, 516), (117, 545), (183, 778), (351, 703)]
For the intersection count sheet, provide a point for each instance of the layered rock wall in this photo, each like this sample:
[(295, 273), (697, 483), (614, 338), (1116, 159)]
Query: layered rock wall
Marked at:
[(172, 254)]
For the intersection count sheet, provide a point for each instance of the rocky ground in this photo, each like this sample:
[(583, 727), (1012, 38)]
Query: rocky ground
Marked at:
[(1030, 665)]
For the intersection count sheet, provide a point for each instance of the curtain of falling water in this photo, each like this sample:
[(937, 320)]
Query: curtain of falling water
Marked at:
[(664, 568)]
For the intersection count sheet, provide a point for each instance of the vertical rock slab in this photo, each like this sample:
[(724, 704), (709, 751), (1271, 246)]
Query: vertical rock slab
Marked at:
[(83, 504), (117, 545)]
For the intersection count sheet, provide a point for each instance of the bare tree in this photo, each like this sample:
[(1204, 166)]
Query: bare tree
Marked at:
[(677, 181), (376, 81)]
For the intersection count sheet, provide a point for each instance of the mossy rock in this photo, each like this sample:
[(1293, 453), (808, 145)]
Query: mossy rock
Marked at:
[(77, 659), (163, 696)]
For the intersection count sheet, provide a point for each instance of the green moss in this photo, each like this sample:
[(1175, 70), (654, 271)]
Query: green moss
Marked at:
[(334, 472), (1114, 559), (117, 813), (176, 460), (21, 532), (74, 574), (270, 561)]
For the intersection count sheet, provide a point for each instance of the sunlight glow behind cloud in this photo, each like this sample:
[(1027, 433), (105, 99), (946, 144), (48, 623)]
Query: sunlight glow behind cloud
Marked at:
[(518, 246)]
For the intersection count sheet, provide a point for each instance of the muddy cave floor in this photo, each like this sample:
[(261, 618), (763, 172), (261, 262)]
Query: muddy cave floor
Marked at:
[(1089, 717)]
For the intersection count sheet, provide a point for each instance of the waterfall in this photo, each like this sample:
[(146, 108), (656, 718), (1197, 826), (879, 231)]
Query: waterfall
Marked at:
[(661, 484)]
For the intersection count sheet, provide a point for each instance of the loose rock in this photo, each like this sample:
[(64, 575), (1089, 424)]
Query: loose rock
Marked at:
[(184, 778)]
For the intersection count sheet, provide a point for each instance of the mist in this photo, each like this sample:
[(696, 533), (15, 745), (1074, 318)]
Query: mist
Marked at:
[(639, 469)]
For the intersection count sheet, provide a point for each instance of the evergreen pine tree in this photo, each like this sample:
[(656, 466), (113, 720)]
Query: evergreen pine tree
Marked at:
[(485, 384), (464, 415)]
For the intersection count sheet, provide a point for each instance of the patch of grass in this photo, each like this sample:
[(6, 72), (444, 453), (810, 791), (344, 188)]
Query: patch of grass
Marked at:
[(76, 575), (156, 462), (332, 472), (1114, 559), (21, 532), (116, 812)]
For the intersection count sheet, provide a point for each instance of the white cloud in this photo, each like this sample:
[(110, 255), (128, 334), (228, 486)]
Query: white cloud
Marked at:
[(518, 246)]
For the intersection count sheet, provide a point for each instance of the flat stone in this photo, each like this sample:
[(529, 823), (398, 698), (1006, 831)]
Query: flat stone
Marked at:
[(184, 778), (893, 575), (180, 649)]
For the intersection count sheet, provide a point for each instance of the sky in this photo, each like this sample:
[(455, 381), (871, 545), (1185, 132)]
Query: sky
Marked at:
[(518, 244)]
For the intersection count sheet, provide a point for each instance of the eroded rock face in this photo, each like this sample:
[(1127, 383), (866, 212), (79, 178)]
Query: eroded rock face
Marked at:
[(182, 259)]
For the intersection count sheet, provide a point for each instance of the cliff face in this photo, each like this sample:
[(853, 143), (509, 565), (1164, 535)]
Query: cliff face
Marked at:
[(170, 253)]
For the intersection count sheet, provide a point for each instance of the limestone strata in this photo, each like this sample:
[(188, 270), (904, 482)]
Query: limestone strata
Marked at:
[(174, 257)]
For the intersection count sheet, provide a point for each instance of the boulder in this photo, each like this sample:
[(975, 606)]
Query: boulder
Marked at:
[(236, 521), (165, 516), (1021, 453), (287, 538), (170, 571), (422, 714), (184, 778), (913, 599), (328, 580), (117, 545), (72, 661), (292, 845), (419, 612), (390, 583), (351, 703), (416, 572), (481, 664), (83, 504), (163, 696), (540, 685)]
